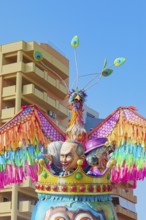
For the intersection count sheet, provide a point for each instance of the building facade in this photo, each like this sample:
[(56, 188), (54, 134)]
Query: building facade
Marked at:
[(25, 80)]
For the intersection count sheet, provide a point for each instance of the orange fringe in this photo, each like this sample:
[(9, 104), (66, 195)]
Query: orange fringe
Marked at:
[(28, 131)]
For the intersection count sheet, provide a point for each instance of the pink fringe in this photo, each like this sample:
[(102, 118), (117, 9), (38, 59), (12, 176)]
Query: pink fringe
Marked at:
[(123, 174), (16, 175)]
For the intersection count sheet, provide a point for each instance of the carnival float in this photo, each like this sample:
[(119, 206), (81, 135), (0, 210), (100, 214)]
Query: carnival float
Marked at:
[(75, 171)]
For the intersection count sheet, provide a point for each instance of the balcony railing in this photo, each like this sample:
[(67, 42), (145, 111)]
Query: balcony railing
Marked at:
[(45, 79), (26, 206), (125, 212), (7, 113), (12, 68), (36, 74), (27, 184), (126, 195), (5, 207), (41, 98), (9, 91)]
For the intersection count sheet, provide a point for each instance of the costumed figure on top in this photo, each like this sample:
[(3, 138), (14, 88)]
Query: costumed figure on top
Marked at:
[(76, 175), (98, 156)]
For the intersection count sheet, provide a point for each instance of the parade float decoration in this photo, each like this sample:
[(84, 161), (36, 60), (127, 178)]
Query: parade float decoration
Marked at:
[(110, 154)]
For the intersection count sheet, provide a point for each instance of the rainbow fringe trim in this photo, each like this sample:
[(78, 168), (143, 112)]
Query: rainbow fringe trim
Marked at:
[(127, 130), (22, 140)]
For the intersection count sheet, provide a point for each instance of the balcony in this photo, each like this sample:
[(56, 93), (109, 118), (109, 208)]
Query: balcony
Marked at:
[(50, 58), (41, 98), (27, 184), (127, 195), (25, 210), (12, 68), (7, 113), (5, 208), (124, 212), (36, 74), (45, 79), (26, 206), (8, 91), (56, 60), (7, 48)]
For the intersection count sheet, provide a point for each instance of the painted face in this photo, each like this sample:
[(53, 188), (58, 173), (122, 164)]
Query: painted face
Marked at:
[(103, 161), (61, 213), (68, 156)]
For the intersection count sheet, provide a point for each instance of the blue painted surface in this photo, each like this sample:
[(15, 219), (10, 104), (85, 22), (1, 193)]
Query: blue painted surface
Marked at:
[(101, 208)]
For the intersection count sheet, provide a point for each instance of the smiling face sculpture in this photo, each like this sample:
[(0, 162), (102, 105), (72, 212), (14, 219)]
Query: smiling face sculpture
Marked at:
[(70, 153), (61, 213), (73, 194), (61, 210)]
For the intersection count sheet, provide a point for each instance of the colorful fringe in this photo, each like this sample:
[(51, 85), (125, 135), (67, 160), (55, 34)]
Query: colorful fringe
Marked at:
[(131, 164), (127, 130), (68, 198), (22, 140), (17, 165)]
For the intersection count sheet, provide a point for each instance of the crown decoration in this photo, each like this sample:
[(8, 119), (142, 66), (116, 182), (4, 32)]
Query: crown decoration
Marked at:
[(77, 183)]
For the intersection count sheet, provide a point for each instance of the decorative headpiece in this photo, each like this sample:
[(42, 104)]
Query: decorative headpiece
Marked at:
[(77, 183), (95, 143)]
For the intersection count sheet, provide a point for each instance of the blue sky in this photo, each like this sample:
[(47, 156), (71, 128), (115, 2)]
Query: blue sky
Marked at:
[(107, 29)]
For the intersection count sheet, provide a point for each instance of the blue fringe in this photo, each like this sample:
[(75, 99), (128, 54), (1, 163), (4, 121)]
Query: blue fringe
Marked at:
[(97, 198), (136, 150)]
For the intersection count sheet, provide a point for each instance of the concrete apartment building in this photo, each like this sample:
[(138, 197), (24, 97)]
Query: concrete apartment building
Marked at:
[(24, 81)]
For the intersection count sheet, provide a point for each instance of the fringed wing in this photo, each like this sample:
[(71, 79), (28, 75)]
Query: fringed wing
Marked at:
[(21, 141), (127, 130)]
